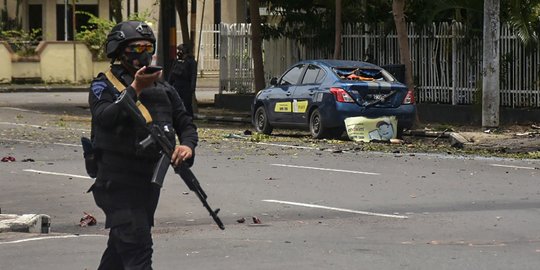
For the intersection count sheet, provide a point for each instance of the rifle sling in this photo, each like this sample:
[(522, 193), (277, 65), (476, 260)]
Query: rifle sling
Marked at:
[(120, 88)]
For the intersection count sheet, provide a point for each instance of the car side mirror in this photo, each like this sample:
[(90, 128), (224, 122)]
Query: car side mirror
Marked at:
[(273, 81)]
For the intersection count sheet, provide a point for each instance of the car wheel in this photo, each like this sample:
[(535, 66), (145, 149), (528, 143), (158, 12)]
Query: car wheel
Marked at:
[(316, 127), (262, 125)]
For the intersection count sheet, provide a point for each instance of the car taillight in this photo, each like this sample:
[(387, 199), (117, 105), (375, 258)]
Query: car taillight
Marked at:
[(341, 95), (409, 98)]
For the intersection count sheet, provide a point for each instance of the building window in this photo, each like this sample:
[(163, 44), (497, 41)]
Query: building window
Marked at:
[(80, 19), (35, 17)]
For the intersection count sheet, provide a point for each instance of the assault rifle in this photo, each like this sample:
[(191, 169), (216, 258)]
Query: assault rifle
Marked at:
[(158, 137)]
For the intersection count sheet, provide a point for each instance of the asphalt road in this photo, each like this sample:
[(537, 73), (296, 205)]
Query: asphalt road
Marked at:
[(319, 209)]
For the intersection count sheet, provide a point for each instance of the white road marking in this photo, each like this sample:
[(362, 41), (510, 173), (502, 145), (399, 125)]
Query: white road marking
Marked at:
[(286, 145), (51, 237), (514, 167), (19, 109), (59, 174), (325, 169), (337, 209), (68, 144)]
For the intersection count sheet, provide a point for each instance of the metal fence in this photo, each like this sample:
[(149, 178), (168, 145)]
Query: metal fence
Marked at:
[(208, 53), (447, 63)]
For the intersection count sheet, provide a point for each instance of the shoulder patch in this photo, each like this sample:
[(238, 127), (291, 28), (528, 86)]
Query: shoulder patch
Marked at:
[(97, 88)]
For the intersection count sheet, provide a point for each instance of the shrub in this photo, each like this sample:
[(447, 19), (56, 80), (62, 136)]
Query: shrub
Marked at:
[(22, 43)]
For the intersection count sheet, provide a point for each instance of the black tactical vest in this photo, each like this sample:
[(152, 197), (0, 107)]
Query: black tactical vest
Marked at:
[(125, 137)]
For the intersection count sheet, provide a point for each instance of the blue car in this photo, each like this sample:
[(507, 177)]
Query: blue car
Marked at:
[(320, 94)]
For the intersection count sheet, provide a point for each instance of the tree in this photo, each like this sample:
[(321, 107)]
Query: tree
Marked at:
[(524, 17), (491, 65), (182, 10), (398, 10), (256, 45), (116, 10), (338, 26)]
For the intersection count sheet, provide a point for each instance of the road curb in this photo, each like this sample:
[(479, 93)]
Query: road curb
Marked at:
[(30, 223), (222, 118)]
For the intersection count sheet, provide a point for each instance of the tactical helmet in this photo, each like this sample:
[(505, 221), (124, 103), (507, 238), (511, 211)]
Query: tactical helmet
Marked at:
[(125, 32), (184, 48)]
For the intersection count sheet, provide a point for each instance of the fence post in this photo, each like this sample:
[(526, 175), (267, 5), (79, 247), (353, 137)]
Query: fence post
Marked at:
[(223, 60), (454, 65)]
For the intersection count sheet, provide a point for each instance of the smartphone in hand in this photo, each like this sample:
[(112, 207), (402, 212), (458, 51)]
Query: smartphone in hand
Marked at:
[(152, 69)]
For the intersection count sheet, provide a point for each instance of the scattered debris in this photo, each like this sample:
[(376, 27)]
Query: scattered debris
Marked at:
[(8, 159), (535, 126), (440, 135), (457, 140), (248, 132), (87, 220), (28, 160), (528, 134), (235, 136), (241, 220), (256, 220)]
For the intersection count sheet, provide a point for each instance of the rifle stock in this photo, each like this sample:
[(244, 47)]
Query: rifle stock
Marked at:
[(158, 137)]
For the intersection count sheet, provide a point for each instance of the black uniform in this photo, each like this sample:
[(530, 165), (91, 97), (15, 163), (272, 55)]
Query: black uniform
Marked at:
[(122, 188), (183, 77)]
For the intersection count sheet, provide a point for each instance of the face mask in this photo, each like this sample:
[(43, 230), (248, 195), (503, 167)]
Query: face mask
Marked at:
[(137, 60)]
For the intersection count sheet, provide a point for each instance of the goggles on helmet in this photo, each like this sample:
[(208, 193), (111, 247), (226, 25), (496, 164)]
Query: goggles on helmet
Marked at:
[(140, 48)]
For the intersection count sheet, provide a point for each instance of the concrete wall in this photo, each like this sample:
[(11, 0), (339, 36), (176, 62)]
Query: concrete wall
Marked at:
[(64, 62), (5, 63), (472, 114), (26, 69), (55, 63), (101, 66)]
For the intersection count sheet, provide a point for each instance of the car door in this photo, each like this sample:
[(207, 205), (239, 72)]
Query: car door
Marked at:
[(303, 94), (280, 100)]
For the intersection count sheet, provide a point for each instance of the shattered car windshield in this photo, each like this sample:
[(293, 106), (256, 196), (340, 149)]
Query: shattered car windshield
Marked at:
[(363, 74)]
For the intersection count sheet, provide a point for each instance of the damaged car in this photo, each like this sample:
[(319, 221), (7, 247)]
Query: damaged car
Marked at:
[(320, 94)]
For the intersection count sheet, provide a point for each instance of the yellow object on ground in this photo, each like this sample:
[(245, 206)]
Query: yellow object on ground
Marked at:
[(363, 129)]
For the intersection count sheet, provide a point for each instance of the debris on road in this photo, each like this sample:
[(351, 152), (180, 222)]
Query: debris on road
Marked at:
[(256, 220), (241, 220), (87, 220), (8, 159), (457, 140)]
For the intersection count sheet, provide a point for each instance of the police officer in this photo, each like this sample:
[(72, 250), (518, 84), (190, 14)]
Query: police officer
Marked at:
[(183, 75), (122, 188)]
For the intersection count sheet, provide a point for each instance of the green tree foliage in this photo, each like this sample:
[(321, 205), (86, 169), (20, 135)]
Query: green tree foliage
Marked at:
[(524, 17), (306, 19), (95, 34), (22, 42)]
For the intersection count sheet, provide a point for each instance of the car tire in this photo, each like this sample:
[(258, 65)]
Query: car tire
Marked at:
[(316, 126), (262, 125)]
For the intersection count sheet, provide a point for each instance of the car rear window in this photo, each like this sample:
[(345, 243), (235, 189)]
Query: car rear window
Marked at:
[(363, 74)]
